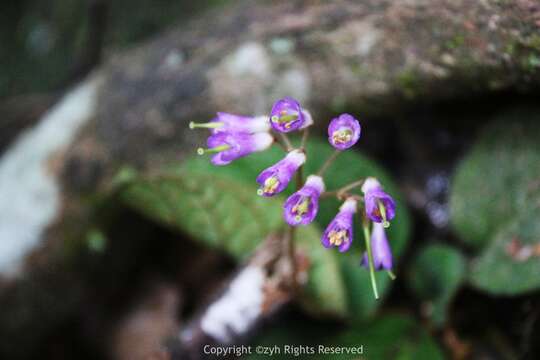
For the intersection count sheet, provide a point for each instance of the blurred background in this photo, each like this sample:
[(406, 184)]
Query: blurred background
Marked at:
[(117, 242)]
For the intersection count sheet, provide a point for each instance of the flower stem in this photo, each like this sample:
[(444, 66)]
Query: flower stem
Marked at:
[(289, 238), (349, 187), (305, 135), (286, 141), (370, 259), (328, 162), (299, 178), (281, 145), (342, 193), (291, 254)]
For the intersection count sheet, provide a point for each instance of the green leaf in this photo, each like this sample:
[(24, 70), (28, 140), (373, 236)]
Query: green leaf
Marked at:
[(495, 199), (228, 215), (387, 337), (509, 266), (349, 166), (435, 276), (498, 179), (217, 211)]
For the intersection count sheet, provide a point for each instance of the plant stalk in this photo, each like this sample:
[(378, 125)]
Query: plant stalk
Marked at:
[(370, 259), (328, 162)]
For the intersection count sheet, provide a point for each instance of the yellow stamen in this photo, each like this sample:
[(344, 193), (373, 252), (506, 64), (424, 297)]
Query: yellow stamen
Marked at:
[(382, 212), (342, 136), (338, 237), (284, 118), (270, 186), (301, 208)]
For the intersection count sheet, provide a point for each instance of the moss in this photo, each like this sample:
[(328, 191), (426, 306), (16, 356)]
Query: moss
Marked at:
[(533, 42), (532, 62), (356, 68), (456, 42), (408, 83), (510, 49)]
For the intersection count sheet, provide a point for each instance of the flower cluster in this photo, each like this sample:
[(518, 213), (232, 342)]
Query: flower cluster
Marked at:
[(235, 136)]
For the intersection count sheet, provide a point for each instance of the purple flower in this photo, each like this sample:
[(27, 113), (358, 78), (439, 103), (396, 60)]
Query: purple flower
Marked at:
[(225, 122), (287, 115), (308, 119), (343, 131), (276, 178), (229, 146), (380, 207), (380, 249), (339, 232), (302, 206)]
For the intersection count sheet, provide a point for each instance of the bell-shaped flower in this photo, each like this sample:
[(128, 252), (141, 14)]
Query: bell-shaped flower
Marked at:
[(275, 179), (343, 131), (287, 115), (380, 249), (225, 122), (339, 232), (302, 206), (380, 207), (229, 146)]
